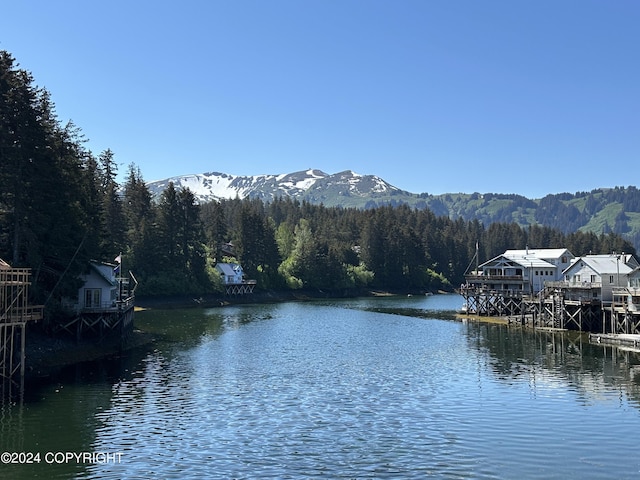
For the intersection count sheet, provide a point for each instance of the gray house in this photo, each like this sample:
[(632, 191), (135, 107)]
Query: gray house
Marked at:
[(630, 295), (601, 273)]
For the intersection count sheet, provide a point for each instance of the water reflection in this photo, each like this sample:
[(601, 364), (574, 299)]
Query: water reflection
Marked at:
[(364, 388), (563, 358)]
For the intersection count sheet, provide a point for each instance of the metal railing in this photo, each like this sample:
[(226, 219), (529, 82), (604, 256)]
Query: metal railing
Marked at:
[(573, 285)]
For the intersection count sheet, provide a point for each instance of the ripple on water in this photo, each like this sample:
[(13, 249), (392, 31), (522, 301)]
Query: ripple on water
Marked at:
[(319, 391)]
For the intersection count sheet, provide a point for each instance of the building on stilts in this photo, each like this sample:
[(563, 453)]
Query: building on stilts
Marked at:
[(553, 289), (104, 306), (234, 280), (15, 313)]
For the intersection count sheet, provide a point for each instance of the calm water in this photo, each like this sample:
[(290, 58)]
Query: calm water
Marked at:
[(367, 388)]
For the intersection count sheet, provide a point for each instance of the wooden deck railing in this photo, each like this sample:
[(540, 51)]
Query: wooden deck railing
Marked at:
[(23, 314)]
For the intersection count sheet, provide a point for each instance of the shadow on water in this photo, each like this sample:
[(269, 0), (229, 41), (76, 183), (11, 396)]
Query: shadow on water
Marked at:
[(188, 327), (58, 414), (172, 331)]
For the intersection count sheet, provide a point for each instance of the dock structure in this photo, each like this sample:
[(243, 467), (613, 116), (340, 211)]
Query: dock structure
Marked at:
[(15, 314), (623, 314), (100, 322), (243, 288), (558, 306)]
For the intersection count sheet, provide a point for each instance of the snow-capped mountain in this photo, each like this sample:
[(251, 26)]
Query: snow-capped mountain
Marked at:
[(344, 188)]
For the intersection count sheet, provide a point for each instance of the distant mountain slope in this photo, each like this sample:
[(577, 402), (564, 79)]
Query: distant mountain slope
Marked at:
[(599, 211), (346, 188), (215, 186)]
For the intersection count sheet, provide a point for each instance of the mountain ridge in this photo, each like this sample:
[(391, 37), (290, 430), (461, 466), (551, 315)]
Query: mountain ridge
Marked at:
[(312, 183), (602, 210)]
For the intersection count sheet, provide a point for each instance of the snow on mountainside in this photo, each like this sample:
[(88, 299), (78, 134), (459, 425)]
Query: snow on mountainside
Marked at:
[(344, 188)]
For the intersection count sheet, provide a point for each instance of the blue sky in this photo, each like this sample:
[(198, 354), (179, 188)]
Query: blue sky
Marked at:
[(527, 97)]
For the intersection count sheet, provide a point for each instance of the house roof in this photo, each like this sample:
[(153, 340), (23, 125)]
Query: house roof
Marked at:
[(532, 262), (229, 268), (531, 258), (545, 253), (529, 262), (607, 264), (95, 265)]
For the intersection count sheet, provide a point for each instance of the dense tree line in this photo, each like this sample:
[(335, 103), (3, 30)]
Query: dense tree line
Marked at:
[(61, 205)]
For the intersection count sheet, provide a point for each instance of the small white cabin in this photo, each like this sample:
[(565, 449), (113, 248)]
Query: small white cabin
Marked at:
[(230, 273), (100, 288)]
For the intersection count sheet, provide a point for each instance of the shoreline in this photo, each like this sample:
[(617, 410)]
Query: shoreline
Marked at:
[(46, 354), (267, 296)]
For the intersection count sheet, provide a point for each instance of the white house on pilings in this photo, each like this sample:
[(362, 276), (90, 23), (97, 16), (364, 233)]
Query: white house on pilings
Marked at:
[(104, 305), (233, 279), (522, 271)]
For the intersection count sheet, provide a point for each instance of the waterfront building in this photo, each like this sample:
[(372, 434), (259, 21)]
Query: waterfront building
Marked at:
[(599, 275), (104, 304), (551, 288), (522, 271), (631, 293), (625, 305), (233, 279), (100, 288)]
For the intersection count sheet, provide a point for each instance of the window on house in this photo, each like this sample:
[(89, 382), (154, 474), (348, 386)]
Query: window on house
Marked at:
[(92, 297), (610, 278), (593, 279)]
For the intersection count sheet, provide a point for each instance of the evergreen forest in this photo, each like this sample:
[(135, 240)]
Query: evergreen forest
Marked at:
[(61, 206)]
